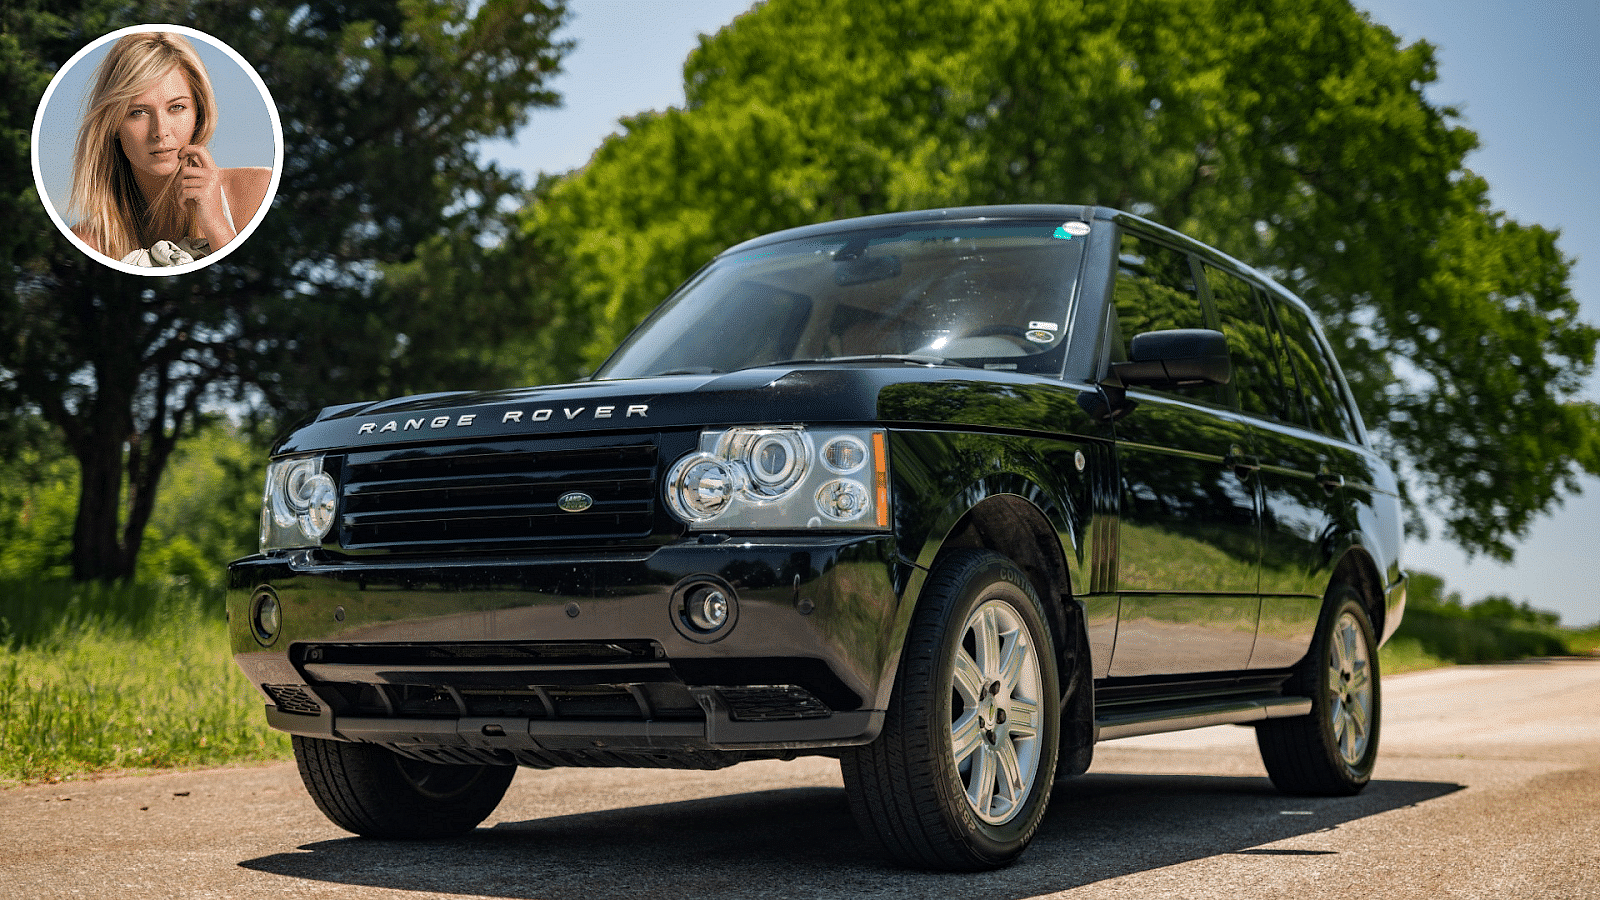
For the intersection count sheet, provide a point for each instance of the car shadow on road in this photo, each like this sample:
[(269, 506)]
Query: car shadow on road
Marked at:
[(801, 842)]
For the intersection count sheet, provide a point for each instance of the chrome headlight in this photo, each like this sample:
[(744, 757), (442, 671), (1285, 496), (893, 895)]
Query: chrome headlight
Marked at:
[(299, 505), (783, 477)]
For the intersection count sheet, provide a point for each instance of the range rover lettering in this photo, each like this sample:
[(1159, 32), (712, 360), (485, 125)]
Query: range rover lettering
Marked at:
[(948, 495)]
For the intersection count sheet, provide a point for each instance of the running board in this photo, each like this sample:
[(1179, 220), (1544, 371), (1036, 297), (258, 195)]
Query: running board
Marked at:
[(1235, 712)]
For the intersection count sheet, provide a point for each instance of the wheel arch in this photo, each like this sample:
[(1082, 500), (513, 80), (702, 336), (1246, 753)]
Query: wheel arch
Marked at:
[(1359, 570), (1013, 526), (1042, 540)]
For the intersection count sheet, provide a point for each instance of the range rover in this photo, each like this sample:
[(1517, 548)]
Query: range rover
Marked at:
[(949, 495)]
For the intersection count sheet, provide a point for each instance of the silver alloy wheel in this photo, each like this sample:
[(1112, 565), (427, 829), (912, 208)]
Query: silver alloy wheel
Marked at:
[(995, 711), (1350, 686)]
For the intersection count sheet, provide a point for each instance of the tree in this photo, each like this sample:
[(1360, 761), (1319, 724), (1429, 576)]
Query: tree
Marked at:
[(381, 102), (1295, 135)]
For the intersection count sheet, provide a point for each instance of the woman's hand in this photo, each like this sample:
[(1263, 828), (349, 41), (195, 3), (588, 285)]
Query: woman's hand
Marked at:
[(202, 186)]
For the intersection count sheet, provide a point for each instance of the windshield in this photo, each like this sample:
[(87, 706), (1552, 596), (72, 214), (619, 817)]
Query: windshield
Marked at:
[(989, 295)]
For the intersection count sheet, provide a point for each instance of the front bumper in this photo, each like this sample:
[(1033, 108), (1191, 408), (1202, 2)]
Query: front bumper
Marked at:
[(579, 660)]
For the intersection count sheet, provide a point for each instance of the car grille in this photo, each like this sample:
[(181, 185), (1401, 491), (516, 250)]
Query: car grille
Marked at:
[(489, 497), (569, 680), (772, 703), (292, 698)]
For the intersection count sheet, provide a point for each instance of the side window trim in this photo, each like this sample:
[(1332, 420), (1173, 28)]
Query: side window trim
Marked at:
[(1346, 424)]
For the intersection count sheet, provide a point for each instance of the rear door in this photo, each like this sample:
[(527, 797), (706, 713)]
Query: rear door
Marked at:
[(1294, 517), (1311, 466)]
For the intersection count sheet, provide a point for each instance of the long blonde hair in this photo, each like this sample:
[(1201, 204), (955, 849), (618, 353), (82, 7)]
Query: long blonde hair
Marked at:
[(112, 212)]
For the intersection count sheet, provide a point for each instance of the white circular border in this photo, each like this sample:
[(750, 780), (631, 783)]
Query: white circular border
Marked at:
[(249, 228)]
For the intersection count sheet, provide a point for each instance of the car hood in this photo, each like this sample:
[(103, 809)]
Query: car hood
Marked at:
[(766, 395)]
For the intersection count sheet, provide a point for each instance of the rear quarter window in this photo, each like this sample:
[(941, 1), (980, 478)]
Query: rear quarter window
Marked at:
[(1322, 404)]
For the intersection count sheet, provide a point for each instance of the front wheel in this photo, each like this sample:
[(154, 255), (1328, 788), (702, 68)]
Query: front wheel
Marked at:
[(375, 792), (960, 776), (1330, 752)]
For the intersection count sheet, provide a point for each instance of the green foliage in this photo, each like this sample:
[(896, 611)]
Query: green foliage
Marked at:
[(97, 677), (210, 508), (1585, 642), (382, 284), (1439, 628), (1293, 135), (38, 498), (208, 514)]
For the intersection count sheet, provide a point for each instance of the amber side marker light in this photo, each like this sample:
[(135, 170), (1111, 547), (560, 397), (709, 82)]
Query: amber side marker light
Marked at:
[(880, 477)]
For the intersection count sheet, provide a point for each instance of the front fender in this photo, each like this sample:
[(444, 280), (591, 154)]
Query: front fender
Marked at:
[(1024, 497)]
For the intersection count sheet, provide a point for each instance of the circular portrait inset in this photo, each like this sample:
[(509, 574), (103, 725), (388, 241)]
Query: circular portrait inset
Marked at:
[(157, 149)]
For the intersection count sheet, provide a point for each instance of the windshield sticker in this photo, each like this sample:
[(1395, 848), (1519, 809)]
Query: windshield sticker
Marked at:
[(1070, 230), (1044, 326), (1041, 337)]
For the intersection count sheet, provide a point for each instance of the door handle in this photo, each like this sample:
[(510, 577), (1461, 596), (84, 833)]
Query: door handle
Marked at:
[(1330, 481), (1241, 464)]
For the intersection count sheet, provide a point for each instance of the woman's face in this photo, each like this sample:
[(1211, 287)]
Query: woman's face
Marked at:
[(159, 122)]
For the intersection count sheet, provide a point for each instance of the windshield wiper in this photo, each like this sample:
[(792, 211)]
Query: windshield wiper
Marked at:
[(690, 370), (910, 359)]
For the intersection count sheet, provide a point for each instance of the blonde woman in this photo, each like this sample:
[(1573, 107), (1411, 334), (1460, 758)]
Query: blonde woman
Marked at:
[(144, 187)]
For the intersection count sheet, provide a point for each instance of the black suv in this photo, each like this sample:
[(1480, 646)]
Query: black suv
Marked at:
[(950, 495)]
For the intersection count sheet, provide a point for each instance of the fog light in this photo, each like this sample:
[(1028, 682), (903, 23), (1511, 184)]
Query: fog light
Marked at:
[(704, 609), (266, 617), (707, 608)]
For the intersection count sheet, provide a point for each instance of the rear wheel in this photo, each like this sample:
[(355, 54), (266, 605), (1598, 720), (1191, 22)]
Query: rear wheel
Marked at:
[(374, 792), (1330, 752), (960, 776)]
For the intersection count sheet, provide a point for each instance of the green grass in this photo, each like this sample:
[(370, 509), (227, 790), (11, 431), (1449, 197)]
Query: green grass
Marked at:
[(1584, 642), (96, 679), (1407, 654)]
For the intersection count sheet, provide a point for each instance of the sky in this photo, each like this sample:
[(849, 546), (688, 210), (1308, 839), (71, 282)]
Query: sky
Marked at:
[(1525, 77)]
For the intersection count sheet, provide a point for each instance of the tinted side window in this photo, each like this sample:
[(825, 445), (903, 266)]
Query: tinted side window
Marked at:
[(1325, 410), (1252, 344), (1156, 292)]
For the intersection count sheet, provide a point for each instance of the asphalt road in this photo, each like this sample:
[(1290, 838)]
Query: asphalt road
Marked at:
[(1488, 786)]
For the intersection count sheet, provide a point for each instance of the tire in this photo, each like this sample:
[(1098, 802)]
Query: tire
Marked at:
[(377, 793), (976, 700), (1331, 752)]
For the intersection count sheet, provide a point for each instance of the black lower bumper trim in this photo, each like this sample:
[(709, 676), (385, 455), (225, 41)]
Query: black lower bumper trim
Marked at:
[(504, 738)]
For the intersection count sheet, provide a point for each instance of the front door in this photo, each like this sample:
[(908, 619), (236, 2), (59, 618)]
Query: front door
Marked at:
[(1189, 535)]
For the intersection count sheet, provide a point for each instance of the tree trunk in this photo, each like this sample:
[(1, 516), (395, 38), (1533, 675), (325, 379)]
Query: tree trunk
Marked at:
[(97, 552)]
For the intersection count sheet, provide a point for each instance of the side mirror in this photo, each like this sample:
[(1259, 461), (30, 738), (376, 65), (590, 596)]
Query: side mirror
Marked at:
[(1176, 358)]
